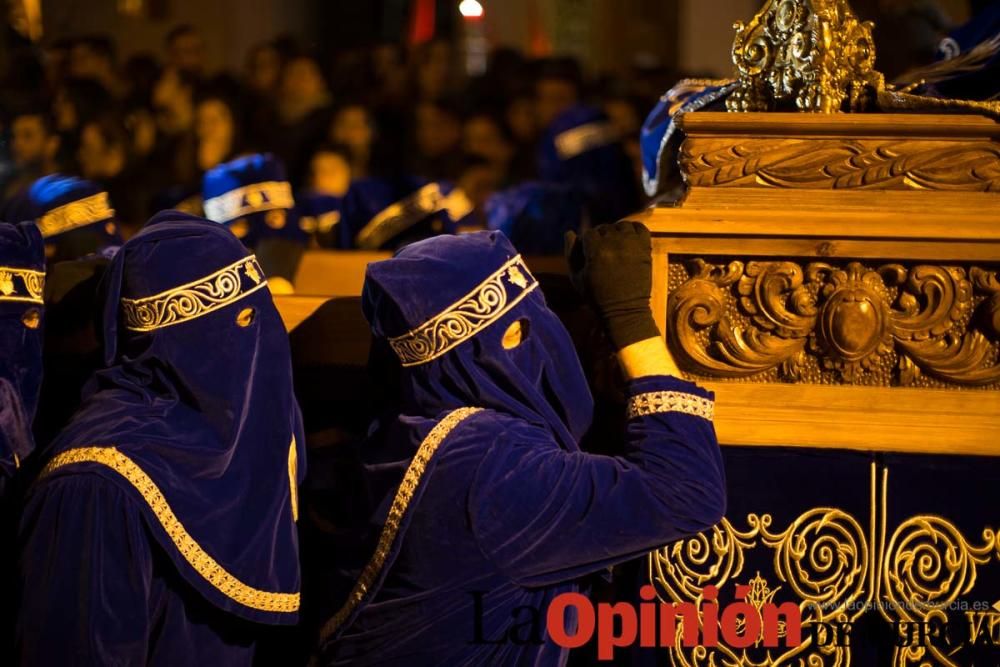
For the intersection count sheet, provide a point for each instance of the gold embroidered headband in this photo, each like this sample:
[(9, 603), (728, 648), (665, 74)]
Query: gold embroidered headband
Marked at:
[(75, 214), (398, 217), (23, 285), (581, 139), (194, 299), (253, 198), (465, 318)]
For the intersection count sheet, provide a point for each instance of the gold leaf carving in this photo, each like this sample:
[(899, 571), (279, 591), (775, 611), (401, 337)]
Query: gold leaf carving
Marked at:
[(820, 322), (813, 55)]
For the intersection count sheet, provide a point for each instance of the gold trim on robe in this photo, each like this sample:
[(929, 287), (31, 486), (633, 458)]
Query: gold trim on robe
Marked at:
[(584, 138), (206, 566), (400, 503)]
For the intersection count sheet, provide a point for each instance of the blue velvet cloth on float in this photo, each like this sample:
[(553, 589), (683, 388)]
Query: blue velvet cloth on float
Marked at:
[(535, 216), (193, 419), (74, 215), (969, 58), (660, 138), (251, 195), (581, 149), (22, 280)]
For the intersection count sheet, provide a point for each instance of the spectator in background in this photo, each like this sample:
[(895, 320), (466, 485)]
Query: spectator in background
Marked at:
[(173, 104), (186, 50), (76, 102), (303, 106), (437, 135), (353, 127), (485, 136), (262, 71), (104, 157), (330, 172), (93, 57), (558, 87), (34, 147), (433, 65), (218, 128)]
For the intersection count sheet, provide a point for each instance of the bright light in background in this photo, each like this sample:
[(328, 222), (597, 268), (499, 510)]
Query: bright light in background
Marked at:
[(470, 9)]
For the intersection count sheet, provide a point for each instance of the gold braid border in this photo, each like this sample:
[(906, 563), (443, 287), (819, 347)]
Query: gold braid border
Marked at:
[(196, 298), (671, 401), (203, 564), (404, 494), (76, 214), (253, 198), (484, 305), (584, 138), (32, 285)]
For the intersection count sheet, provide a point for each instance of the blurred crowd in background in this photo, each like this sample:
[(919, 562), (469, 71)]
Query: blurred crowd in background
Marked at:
[(149, 127), (384, 121)]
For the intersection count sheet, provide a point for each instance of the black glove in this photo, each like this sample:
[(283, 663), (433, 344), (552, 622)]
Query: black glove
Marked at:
[(612, 266)]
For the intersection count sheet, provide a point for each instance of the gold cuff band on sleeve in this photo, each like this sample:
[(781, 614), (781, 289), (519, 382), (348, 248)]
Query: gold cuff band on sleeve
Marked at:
[(656, 402)]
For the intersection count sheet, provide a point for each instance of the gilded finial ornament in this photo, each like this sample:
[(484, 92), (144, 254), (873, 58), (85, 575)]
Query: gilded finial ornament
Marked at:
[(813, 55)]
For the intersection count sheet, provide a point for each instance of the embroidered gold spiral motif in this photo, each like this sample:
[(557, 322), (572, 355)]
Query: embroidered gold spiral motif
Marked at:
[(24, 285), (485, 304), (194, 299)]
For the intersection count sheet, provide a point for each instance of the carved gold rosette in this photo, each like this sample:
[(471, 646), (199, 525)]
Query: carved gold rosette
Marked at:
[(844, 322)]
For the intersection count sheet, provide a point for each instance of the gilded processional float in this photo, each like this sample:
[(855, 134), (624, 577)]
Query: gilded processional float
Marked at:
[(833, 277)]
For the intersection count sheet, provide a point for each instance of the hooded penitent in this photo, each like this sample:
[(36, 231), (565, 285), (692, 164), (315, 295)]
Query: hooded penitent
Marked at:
[(581, 149), (432, 209), (74, 216), (194, 416), (536, 216), (22, 280), (440, 311)]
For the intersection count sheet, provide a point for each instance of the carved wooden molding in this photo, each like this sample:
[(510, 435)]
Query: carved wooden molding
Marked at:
[(886, 164), (917, 325)]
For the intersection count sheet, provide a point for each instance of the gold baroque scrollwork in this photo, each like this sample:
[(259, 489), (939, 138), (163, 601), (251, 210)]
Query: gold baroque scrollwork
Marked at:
[(843, 164), (927, 566), (814, 55), (823, 556), (925, 325)]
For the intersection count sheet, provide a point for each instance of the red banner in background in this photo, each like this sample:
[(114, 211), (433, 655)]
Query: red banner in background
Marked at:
[(422, 18)]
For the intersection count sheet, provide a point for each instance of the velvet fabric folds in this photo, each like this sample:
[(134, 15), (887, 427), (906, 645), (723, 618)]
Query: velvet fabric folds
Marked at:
[(21, 331), (193, 426), (506, 511)]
